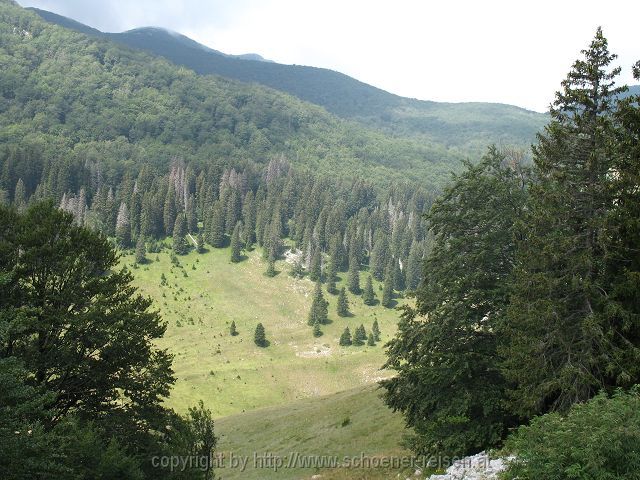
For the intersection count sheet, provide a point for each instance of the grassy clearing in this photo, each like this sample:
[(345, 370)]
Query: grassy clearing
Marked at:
[(230, 373)]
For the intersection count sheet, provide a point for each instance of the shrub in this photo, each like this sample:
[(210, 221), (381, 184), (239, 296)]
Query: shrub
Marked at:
[(597, 440)]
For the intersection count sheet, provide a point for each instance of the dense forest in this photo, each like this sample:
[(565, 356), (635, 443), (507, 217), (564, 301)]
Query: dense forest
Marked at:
[(531, 302)]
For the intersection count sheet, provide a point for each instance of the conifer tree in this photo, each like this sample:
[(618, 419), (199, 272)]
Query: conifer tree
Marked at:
[(315, 269), (141, 251), (369, 297), (233, 331), (271, 268), (319, 307), (200, 241), (20, 196), (375, 329), (249, 220), (345, 338), (343, 303), (236, 246), (414, 267), (216, 227), (354, 273), (179, 230), (317, 332), (371, 342), (297, 271), (259, 337), (360, 336), (332, 277), (565, 338), (169, 211), (387, 289), (123, 227)]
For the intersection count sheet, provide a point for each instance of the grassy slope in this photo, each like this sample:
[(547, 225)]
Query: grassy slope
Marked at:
[(314, 427), (232, 375)]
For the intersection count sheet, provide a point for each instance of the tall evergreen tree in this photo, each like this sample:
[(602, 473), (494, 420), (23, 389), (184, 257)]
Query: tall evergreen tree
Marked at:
[(375, 329), (317, 332), (562, 345), (360, 336), (236, 246), (169, 211), (464, 298), (123, 227), (319, 307), (343, 303), (389, 281), (368, 296), (353, 280), (216, 227), (414, 267), (315, 269), (180, 245), (332, 277), (200, 243), (141, 251), (345, 338)]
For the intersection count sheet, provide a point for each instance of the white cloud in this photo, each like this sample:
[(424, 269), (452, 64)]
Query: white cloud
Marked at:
[(499, 51)]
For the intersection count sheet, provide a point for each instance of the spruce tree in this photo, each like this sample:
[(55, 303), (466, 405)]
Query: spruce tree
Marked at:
[(317, 332), (387, 289), (353, 280), (232, 329), (236, 246), (371, 340), (375, 329), (343, 303), (141, 251), (123, 227), (566, 337), (216, 227), (179, 230), (271, 268), (315, 270), (169, 211), (369, 297), (297, 270), (360, 336), (200, 241), (345, 338), (332, 277), (249, 220), (414, 267), (259, 337), (319, 306)]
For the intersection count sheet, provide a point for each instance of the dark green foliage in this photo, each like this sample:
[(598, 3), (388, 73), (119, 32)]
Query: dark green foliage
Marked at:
[(236, 246), (216, 236), (315, 269), (353, 280), (332, 277), (317, 332), (389, 282), (319, 307), (232, 329), (201, 436), (464, 297), (271, 268), (123, 227), (180, 246), (359, 336), (345, 338), (259, 337), (200, 243), (567, 334), (414, 267), (599, 439), (297, 270), (368, 296), (375, 329), (379, 255), (141, 251), (343, 304), (169, 213), (371, 341)]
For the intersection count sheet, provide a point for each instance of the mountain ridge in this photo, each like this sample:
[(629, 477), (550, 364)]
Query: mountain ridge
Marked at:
[(467, 127)]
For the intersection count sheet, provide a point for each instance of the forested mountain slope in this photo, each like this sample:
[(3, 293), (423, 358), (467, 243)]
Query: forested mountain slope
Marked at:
[(467, 127), (69, 98)]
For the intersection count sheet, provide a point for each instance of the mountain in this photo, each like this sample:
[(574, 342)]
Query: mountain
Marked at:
[(67, 96), (464, 127)]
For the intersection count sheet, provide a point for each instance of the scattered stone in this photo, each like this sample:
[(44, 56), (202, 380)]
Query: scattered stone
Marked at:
[(475, 467)]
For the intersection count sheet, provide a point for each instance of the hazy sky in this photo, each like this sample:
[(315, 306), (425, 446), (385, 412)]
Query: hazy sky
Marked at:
[(474, 50)]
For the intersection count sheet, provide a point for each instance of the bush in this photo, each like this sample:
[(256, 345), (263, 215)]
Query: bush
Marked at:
[(597, 440)]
